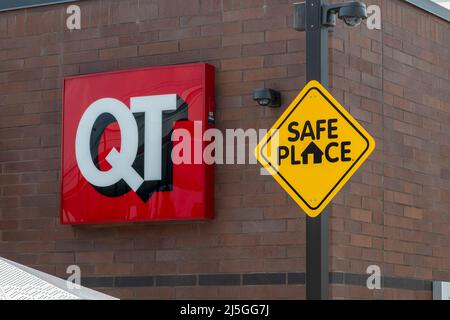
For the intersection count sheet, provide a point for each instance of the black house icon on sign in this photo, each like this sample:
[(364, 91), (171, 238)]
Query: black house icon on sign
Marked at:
[(315, 151)]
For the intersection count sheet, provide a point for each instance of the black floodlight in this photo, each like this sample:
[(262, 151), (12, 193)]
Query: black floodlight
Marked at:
[(267, 97)]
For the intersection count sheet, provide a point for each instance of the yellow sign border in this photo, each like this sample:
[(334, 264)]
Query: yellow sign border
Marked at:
[(310, 211)]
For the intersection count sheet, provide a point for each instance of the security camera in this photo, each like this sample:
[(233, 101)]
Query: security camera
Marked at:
[(351, 12), (267, 97)]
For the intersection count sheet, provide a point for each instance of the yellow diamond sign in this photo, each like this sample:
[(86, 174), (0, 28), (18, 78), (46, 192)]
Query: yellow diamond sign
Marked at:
[(314, 148)]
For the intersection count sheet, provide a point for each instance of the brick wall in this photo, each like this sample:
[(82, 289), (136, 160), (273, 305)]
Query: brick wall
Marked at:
[(393, 212)]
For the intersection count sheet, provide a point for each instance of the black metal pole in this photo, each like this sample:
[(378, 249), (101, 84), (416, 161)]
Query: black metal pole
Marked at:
[(317, 275)]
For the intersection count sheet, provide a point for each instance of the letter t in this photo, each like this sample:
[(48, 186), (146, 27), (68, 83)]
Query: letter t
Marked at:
[(152, 107)]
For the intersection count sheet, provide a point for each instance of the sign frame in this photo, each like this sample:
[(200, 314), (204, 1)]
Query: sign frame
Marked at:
[(370, 146), (156, 200)]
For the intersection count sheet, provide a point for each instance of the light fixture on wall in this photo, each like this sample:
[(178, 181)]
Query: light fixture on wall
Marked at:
[(267, 97), (352, 13)]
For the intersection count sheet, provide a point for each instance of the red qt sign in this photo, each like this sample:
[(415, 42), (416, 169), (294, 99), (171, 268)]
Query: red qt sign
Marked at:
[(117, 129)]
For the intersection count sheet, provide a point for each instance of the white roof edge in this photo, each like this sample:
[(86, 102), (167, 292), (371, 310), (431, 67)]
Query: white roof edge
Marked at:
[(432, 7), (81, 292)]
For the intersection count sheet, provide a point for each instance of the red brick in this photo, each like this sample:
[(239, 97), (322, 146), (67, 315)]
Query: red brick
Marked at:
[(242, 63), (200, 43), (78, 57), (361, 240), (178, 8), (414, 213), (158, 48), (243, 14), (222, 28), (94, 257), (242, 39), (184, 33), (117, 53), (266, 73), (361, 215)]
